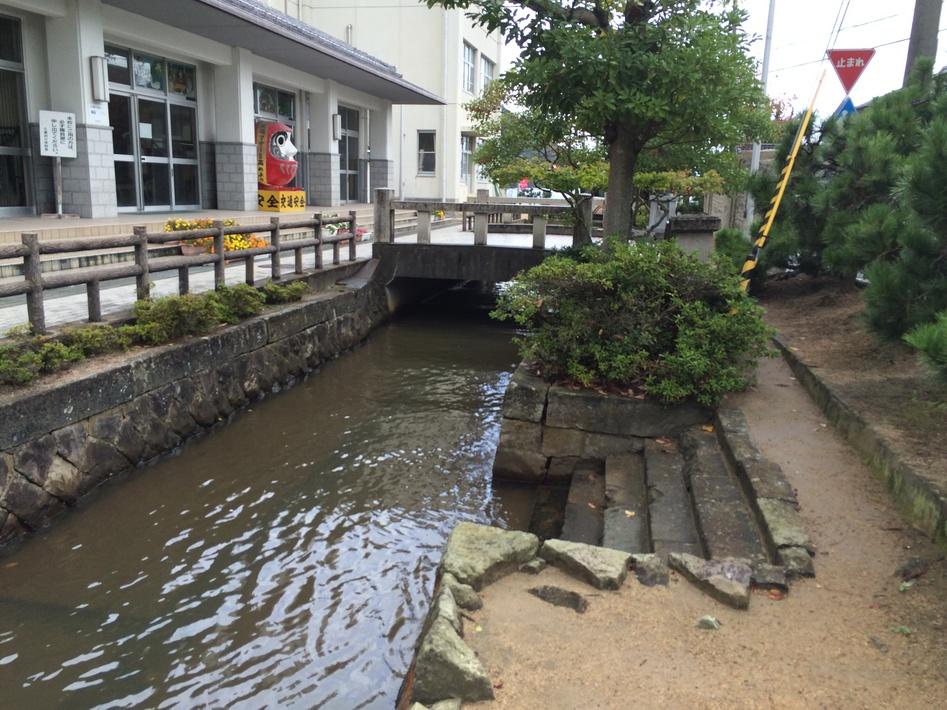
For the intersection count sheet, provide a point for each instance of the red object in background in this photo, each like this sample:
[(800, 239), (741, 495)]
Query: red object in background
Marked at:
[(524, 183), (275, 154), (849, 64)]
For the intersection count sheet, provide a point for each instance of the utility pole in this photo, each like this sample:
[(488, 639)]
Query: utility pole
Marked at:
[(923, 33), (764, 78)]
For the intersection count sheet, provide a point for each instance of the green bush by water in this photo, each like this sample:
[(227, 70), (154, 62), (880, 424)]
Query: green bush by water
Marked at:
[(24, 357), (642, 315)]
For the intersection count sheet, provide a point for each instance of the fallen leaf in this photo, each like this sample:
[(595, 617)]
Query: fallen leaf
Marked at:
[(905, 585), (592, 505), (711, 623), (498, 684), (708, 427), (903, 630), (629, 513), (478, 628), (776, 595), (663, 440)]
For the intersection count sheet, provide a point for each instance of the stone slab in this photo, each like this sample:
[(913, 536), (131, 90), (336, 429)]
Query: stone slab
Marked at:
[(650, 569), (599, 566), (760, 477), (480, 554), (612, 414), (519, 454), (585, 505), (669, 505), (566, 442), (783, 524), (525, 396), (447, 668), (724, 520), (797, 561), (726, 580)]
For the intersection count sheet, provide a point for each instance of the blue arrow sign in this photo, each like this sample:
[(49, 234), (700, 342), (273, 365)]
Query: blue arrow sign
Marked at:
[(846, 107)]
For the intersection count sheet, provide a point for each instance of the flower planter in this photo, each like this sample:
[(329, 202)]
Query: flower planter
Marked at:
[(192, 249)]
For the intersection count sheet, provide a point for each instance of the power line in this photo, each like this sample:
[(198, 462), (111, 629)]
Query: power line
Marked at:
[(819, 61)]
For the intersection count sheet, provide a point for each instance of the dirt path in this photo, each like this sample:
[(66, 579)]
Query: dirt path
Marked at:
[(831, 643)]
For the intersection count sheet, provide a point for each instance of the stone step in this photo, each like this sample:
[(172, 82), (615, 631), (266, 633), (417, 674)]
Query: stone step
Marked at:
[(670, 510), (585, 507), (548, 511), (724, 521), (626, 504)]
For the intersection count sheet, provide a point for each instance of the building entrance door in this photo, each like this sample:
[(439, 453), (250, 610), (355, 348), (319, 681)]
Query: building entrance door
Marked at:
[(15, 198), (348, 155), (155, 152)]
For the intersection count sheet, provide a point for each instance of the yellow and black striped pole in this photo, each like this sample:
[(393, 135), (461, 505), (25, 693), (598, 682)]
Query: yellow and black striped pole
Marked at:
[(746, 273)]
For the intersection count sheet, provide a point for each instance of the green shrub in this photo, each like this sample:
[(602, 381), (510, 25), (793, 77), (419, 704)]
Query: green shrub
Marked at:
[(57, 356), (174, 317), (238, 302), (19, 366), (930, 340), (280, 293), (94, 339), (733, 246), (641, 315)]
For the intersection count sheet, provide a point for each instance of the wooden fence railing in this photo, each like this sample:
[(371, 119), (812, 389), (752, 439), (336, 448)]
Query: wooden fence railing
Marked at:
[(385, 208), (35, 281)]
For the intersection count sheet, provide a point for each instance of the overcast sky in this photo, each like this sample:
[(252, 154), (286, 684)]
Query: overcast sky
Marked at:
[(801, 32)]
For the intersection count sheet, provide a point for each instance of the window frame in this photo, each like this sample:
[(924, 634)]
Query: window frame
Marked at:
[(422, 153), (487, 62), (466, 156), (469, 77)]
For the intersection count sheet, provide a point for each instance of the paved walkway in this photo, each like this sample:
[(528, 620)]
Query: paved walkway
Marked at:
[(68, 305)]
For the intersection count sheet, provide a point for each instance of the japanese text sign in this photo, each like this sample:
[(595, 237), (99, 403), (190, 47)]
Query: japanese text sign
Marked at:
[(57, 134), (849, 64)]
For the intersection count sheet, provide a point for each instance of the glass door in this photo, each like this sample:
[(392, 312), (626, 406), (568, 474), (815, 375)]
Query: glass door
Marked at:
[(14, 144), (348, 155), (122, 121), (154, 154), (184, 168)]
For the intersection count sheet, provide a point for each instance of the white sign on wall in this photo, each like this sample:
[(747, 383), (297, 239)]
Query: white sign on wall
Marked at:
[(57, 134)]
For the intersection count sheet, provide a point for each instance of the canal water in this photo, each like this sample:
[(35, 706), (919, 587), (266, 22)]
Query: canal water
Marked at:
[(286, 560)]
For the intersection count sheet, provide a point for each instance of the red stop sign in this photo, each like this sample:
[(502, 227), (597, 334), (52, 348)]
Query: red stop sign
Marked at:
[(849, 64)]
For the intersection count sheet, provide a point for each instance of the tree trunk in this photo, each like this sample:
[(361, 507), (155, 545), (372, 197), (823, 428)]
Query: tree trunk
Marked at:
[(923, 33), (622, 155)]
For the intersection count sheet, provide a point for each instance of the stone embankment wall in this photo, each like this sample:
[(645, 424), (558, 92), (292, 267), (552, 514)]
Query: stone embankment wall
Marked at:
[(60, 439)]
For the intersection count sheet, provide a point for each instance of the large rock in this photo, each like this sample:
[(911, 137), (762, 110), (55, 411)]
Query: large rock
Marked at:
[(464, 595), (480, 554), (447, 668), (446, 608), (783, 523), (599, 566), (726, 580), (650, 569), (797, 561), (611, 414)]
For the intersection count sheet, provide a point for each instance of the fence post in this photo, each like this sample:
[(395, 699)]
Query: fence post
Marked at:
[(539, 231), (276, 272), (352, 228), (142, 280), (219, 270), (424, 227), (382, 217), (480, 228), (318, 262), (95, 303), (248, 265), (582, 232), (33, 271), (184, 281)]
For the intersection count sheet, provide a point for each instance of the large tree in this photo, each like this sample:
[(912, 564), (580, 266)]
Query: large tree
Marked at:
[(640, 75)]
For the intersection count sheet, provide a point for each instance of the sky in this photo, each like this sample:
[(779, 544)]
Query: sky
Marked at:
[(802, 31)]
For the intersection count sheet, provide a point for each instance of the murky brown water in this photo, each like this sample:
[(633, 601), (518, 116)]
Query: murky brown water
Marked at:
[(283, 561)]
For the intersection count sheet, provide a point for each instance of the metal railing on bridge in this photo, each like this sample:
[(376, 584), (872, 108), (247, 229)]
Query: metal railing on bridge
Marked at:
[(481, 210), (36, 281)]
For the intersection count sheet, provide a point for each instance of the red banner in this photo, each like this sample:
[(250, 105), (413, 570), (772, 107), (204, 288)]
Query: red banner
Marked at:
[(849, 64)]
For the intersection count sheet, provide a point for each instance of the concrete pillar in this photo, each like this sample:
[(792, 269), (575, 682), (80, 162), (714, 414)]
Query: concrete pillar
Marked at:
[(382, 221), (694, 233), (235, 153), (323, 156), (381, 165), (71, 39), (424, 227)]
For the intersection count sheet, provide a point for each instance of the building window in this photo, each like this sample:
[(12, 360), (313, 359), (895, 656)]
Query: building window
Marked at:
[(427, 152), (487, 71), (274, 104), (470, 69), (466, 156), (15, 165)]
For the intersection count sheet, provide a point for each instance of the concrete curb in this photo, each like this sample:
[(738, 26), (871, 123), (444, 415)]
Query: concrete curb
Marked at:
[(920, 499)]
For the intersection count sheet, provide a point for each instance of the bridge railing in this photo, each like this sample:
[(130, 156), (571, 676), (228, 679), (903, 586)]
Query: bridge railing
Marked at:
[(481, 210), (36, 280)]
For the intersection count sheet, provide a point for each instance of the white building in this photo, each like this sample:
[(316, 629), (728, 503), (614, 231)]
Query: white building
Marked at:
[(437, 49), (166, 94)]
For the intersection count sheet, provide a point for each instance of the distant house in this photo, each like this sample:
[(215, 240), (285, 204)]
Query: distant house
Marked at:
[(440, 50), (166, 94)]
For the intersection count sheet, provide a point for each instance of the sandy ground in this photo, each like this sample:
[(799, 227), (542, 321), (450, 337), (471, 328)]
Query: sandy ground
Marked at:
[(813, 649)]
